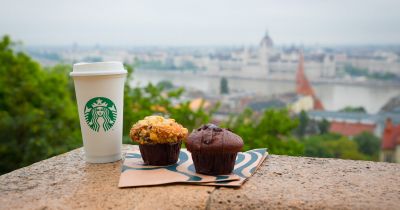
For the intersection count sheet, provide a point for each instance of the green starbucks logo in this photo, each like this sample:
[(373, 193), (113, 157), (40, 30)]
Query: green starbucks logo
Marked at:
[(100, 113)]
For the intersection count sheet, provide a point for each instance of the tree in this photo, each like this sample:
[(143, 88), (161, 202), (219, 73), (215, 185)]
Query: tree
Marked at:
[(38, 116), (165, 84), (332, 146), (359, 109), (303, 124), (308, 127), (324, 126), (224, 88), (156, 99), (362, 72), (38, 111), (272, 129), (368, 144)]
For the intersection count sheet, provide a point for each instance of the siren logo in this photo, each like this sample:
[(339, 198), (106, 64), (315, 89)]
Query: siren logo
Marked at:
[(100, 114)]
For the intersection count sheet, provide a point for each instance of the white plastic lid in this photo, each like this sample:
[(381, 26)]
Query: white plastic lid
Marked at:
[(98, 69)]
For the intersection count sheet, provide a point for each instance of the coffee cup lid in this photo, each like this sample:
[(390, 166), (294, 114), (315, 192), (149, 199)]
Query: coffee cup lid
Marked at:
[(98, 69)]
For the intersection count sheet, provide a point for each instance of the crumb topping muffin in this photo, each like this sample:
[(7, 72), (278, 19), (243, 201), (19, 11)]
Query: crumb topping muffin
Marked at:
[(157, 130)]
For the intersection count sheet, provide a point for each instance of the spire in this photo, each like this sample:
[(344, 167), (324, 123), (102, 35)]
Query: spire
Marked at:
[(303, 86), (266, 40)]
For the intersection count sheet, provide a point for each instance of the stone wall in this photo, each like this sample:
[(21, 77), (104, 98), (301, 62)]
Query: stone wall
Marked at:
[(282, 182)]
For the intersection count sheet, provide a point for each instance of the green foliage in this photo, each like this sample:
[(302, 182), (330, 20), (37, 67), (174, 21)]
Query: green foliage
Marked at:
[(309, 127), (51, 56), (383, 76), (38, 116), (362, 72), (324, 126), (303, 123), (272, 130), (93, 59), (156, 99), (368, 144), (332, 146), (359, 109), (316, 146), (168, 65), (224, 88), (38, 112), (354, 71), (165, 84)]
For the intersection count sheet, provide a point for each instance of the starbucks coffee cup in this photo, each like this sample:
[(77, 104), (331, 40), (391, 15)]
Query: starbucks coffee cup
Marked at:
[(99, 89)]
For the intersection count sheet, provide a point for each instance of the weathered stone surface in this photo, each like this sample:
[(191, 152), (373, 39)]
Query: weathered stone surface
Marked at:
[(67, 182), (315, 183)]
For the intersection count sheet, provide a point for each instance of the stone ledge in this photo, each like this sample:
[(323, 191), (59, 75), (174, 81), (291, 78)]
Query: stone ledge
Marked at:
[(67, 182)]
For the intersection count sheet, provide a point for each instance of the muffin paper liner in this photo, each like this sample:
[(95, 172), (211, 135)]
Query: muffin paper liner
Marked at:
[(160, 154), (135, 173), (214, 164)]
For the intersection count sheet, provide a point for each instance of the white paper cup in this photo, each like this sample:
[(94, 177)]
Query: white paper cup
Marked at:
[(99, 89)]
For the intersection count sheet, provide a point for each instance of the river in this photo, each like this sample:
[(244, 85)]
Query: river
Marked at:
[(333, 96)]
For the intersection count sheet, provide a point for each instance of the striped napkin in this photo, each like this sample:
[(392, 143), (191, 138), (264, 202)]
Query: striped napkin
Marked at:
[(135, 173)]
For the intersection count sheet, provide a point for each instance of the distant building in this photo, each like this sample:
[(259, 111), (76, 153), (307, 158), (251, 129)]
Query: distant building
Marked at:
[(392, 106), (303, 88), (384, 124), (348, 123), (256, 64), (390, 150), (302, 103), (302, 99), (390, 147), (349, 128), (353, 123), (265, 61), (379, 62), (317, 65)]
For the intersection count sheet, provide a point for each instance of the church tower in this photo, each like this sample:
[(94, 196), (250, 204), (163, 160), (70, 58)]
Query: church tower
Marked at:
[(303, 86), (264, 50)]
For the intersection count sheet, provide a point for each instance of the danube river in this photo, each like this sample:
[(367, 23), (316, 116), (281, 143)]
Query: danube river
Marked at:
[(333, 96)]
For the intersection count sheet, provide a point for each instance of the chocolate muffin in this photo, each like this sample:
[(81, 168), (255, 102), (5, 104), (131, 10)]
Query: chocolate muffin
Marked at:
[(159, 139), (214, 149)]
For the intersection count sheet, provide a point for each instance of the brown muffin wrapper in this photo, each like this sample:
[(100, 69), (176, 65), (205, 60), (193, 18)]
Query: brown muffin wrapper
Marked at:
[(160, 154), (214, 164)]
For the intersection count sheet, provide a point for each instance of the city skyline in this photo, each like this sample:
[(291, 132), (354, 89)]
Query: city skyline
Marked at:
[(182, 23)]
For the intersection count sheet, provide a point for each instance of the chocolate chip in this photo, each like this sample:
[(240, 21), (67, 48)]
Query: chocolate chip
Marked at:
[(216, 129), (211, 126), (204, 127)]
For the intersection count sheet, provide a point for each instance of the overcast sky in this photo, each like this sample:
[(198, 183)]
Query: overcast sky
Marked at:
[(202, 22)]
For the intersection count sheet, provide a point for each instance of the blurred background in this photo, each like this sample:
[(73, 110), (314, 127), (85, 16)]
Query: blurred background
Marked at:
[(304, 78)]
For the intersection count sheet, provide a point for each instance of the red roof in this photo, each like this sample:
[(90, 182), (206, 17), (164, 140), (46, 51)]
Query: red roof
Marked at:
[(391, 135), (318, 104), (351, 129), (303, 86)]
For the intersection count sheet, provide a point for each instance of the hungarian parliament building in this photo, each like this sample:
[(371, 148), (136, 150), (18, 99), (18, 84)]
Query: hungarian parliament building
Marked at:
[(264, 61)]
